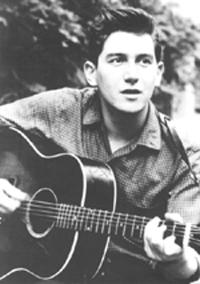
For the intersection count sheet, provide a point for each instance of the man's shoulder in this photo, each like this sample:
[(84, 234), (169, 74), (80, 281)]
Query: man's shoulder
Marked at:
[(63, 97), (68, 95), (56, 101), (63, 102)]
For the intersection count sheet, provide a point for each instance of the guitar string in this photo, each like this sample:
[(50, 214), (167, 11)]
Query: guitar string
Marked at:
[(89, 214), (74, 208), (79, 223), (110, 226), (111, 215)]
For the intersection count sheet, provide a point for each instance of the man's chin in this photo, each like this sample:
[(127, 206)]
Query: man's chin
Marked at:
[(133, 109)]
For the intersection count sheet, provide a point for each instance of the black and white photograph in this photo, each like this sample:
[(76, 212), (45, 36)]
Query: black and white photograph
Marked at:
[(99, 142)]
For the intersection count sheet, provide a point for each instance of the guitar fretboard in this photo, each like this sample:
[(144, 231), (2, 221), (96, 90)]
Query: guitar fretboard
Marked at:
[(105, 222), (77, 218)]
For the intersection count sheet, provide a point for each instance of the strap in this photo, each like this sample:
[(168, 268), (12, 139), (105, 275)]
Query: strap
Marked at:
[(176, 141)]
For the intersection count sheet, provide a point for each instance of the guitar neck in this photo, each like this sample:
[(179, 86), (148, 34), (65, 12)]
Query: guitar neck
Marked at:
[(77, 218), (108, 223)]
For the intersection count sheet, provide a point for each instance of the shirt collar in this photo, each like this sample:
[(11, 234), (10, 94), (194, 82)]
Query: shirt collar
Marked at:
[(151, 133)]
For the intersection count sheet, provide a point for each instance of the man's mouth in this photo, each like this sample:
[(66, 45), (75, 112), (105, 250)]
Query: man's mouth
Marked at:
[(131, 92)]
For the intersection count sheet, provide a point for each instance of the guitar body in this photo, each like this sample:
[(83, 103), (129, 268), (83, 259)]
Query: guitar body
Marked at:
[(33, 246)]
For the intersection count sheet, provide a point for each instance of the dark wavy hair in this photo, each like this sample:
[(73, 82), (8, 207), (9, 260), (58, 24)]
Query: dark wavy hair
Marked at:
[(127, 19)]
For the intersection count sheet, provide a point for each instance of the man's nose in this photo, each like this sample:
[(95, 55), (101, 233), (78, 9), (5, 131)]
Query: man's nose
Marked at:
[(131, 73)]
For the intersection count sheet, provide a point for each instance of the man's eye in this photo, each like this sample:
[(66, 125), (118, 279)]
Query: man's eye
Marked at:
[(146, 61), (116, 60)]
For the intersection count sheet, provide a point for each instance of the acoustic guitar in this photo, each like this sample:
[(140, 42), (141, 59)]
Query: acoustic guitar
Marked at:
[(66, 224)]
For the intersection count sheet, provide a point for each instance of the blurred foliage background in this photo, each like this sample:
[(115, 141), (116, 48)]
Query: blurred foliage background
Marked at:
[(43, 45)]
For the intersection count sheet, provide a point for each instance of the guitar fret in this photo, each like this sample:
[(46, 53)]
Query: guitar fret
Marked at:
[(63, 216), (97, 223), (74, 217), (133, 226), (77, 218), (66, 216), (137, 228), (110, 224), (86, 220), (59, 216), (125, 224), (81, 218), (68, 219), (103, 222), (121, 223), (93, 219), (129, 226), (117, 224), (142, 228), (88, 224)]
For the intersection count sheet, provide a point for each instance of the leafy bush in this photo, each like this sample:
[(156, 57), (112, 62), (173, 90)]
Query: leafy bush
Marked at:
[(43, 45)]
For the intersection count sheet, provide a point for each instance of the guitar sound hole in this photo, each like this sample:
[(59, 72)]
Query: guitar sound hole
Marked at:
[(42, 212)]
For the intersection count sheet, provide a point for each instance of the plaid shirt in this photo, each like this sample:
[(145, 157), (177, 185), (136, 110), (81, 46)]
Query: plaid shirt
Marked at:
[(151, 176)]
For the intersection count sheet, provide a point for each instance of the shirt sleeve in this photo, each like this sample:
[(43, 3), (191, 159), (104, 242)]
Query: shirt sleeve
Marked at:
[(184, 199), (191, 141), (54, 115), (193, 153)]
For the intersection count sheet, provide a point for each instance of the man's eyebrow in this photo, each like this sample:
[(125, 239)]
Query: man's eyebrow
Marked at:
[(141, 55), (115, 54)]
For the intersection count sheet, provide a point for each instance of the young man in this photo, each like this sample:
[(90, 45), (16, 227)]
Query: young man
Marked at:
[(114, 121)]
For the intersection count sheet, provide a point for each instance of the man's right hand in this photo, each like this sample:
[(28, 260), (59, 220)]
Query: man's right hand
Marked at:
[(10, 197)]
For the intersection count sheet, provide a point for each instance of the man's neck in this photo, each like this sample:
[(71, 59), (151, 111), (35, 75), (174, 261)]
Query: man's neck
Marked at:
[(123, 127)]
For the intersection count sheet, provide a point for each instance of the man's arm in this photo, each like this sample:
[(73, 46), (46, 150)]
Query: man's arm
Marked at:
[(173, 261), (53, 115)]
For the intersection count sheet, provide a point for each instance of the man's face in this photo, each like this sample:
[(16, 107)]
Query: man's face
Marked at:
[(127, 71)]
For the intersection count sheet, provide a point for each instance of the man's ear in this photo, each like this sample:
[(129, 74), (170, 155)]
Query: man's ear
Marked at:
[(160, 72), (90, 73)]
